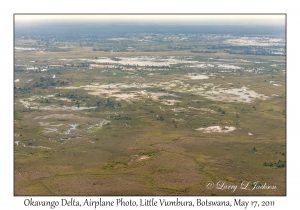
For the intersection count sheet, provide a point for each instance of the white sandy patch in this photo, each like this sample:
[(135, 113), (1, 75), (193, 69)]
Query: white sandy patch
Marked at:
[(71, 127), (40, 147), (118, 90), (180, 119), (44, 123), (32, 68), (170, 102), (136, 159), (115, 89), (140, 61), (275, 83), (69, 87), (26, 48), (196, 76), (97, 90), (155, 96), (64, 99), (50, 130), (202, 65), (208, 110), (255, 41), (228, 66), (275, 95), (161, 109), (127, 96), (216, 129), (233, 95), (225, 71), (193, 108), (180, 109), (26, 103)]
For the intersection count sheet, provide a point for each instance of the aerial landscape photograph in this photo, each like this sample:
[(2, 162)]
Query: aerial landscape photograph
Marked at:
[(149, 105)]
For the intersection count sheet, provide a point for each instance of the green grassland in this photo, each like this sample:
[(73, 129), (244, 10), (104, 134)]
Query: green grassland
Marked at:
[(96, 158)]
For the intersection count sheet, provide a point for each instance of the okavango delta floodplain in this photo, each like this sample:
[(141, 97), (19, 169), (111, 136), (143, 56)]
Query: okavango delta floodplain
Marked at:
[(149, 110)]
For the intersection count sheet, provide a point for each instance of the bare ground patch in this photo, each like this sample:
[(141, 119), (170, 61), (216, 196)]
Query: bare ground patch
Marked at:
[(138, 158), (216, 129), (234, 95)]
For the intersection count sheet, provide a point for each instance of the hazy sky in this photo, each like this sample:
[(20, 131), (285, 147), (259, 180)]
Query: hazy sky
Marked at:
[(158, 19)]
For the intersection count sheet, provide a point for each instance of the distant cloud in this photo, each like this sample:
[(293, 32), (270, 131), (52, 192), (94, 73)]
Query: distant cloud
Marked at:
[(174, 19)]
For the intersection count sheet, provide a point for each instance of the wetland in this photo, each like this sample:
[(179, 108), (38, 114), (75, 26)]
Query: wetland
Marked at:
[(141, 112)]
